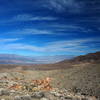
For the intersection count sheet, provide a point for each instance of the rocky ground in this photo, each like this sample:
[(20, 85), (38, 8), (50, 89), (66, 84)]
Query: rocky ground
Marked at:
[(80, 82), (15, 86)]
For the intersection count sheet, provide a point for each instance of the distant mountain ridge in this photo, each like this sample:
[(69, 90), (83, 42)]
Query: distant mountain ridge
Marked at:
[(43, 64), (58, 59), (18, 59), (90, 57)]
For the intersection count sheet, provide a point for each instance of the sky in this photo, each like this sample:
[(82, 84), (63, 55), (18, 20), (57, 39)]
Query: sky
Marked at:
[(49, 27)]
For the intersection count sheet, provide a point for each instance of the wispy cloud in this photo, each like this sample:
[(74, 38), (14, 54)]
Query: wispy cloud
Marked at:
[(76, 46), (52, 29), (64, 5), (21, 46), (2, 40), (70, 28), (29, 31), (27, 17)]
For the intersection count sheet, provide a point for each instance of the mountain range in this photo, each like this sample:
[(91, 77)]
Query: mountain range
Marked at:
[(18, 59), (90, 58), (80, 74)]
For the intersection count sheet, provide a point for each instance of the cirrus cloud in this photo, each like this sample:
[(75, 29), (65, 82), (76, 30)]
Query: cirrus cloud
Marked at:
[(64, 5), (72, 46)]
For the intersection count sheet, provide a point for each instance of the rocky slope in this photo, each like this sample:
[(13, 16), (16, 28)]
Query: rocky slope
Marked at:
[(91, 57), (18, 86), (77, 79)]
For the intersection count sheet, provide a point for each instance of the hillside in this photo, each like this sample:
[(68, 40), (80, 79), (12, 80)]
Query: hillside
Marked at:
[(91, 57), (88, 58), (19, 59), (79, 76)]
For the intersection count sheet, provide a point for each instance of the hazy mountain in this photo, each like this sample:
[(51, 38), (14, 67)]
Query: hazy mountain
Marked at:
[(18, 59), (80, 76), (88, 58), (91, 57)]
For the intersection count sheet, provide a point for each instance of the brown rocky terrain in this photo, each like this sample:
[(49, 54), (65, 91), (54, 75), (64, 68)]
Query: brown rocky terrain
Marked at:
[(76, 79)]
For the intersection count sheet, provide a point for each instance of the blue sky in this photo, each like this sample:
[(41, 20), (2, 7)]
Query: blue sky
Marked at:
[(49, 27)]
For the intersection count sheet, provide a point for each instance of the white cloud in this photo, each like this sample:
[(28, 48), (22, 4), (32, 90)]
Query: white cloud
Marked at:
[(30, 31), (69, 28), (20, 46), (64, 5), (56, 29), (79, 45), (9, 40), (26, 17), (36, 31), (71, 45)]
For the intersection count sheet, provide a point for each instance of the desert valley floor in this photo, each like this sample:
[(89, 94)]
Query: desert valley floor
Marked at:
[(67, 80)]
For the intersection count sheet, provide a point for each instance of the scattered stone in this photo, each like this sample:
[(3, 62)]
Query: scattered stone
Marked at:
[(40, 89), (91, 98), (58, 94), (12, 91), (25, 97), (66, 98), (50, 96), (17, 98), (44, 99), (4, 92), (38, 95)]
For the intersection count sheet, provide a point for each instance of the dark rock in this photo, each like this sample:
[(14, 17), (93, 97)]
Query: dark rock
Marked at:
[(66, 98), (4, 92), (38, 95), (50, 96), (26, 97)]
